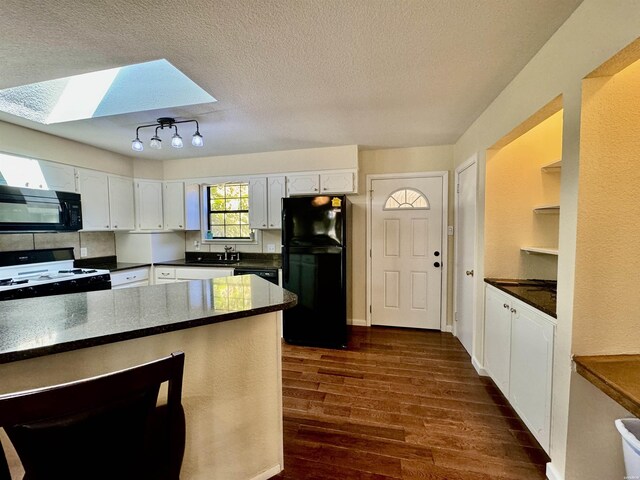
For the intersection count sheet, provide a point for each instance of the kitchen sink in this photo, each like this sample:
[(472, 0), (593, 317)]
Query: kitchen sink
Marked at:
[(210, 261)]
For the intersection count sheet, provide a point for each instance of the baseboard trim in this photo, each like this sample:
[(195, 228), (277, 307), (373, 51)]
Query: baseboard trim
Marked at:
[(552, 473), (448, 328), (359, 322), (476, 364), (267, 474)]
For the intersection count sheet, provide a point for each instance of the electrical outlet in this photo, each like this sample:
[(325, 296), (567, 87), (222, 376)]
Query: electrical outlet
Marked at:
[(196, 244), (83, 252), (271, 248)]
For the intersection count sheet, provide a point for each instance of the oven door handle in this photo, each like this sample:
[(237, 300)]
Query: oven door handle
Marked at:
[(66, 213)]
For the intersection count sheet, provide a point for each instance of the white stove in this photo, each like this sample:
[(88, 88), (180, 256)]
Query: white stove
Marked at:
[(37, 273)]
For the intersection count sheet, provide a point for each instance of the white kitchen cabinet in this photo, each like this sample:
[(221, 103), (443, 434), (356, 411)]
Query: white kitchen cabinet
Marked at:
[(307, 184), (258, 201), (94, 191), (321, 182), (276, 191), (340, 182), (181, 206), (518, 355), (532, 339), (57, 176), (121, 212), (135, 277), (497, 337), (149, 215), (184, 274), (265, 202)]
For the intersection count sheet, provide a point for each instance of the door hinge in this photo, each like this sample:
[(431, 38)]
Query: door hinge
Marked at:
[(458, 188), (369, 253), (370, 309)]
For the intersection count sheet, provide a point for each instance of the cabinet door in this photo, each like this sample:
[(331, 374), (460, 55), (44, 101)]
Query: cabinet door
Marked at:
[(58, 177), (532, 339), (149, 205), (173, 203), (94, 191), (121, 203), (303, 184), (258, 203), (497, 337), (192, 206), (336, 182), (276, 192)]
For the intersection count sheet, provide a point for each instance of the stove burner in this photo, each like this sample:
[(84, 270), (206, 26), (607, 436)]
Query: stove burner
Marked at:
[(10, 281)]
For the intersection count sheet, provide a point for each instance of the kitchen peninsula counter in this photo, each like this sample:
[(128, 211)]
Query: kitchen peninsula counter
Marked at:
[(540, 294), (229, 329)]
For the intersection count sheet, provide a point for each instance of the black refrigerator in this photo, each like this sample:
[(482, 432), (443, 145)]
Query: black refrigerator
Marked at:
[(314, 267)]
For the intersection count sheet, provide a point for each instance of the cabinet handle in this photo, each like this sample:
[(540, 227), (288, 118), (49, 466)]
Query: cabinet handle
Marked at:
[(106, 226), (159, 226), (264, 224), (513, 310), (180, 226), (115, 226), (505, 305), (315, 189), (325, 188), (272, 224), (132, 278), (26, 184), (164, 274)]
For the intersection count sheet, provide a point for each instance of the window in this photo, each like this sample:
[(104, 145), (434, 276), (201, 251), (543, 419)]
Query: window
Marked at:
[(228, 211), (406, 198)]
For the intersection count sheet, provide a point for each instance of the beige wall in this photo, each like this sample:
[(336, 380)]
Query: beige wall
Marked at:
[(514, 185), (399, 160), (328, 158), (596, 31), (607, 313), (31, 143)]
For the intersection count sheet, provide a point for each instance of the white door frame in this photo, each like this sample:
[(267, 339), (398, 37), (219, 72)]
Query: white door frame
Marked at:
[(456, 249), (445, 222)]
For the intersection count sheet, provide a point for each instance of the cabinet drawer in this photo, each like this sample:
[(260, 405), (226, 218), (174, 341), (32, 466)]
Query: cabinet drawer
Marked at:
[(129, 276), (165, 273)]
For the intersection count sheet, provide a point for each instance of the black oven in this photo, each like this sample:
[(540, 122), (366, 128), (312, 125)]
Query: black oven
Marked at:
[(32, 210)]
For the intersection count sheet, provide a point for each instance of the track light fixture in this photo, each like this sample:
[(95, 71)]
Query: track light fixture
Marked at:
[(176, 139)]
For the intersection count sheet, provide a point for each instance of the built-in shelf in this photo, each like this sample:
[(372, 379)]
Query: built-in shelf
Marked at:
[(552, 167), (543, 250), (547, 209)]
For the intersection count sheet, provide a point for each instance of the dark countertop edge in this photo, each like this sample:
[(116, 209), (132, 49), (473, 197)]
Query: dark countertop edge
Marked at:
[(241, 264), (494, 282), (586, 367), (144, 332), (128, 266)]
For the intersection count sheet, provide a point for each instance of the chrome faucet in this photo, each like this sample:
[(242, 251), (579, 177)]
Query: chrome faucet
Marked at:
[(227, 249)]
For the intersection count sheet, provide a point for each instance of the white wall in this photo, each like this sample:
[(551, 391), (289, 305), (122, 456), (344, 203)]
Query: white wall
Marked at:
[(596, 31)]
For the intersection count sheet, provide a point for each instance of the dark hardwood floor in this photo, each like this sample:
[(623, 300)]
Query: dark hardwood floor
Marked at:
[(399, 404)]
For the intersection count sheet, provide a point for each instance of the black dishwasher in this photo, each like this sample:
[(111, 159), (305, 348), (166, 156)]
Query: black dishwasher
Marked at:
[(270, 274)]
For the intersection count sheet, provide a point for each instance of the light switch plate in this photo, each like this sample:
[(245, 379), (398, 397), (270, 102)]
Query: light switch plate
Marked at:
[(83, 252)]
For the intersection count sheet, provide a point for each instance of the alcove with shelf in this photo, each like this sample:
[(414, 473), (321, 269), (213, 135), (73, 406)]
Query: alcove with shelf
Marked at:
[(522, 201)]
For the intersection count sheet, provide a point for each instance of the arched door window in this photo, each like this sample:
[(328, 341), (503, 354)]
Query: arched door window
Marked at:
[(406, 198)]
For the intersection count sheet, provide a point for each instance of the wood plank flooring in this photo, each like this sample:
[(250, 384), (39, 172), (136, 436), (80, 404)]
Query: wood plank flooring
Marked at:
[(399, 404)]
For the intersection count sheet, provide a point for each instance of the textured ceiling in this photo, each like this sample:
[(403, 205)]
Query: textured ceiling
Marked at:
[(287, 74)]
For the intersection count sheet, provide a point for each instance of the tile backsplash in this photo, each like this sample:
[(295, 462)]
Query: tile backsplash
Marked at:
[(98, 244), (266, 238)]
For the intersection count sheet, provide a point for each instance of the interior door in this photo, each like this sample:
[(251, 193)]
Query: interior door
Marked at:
[(406, 252), (465, 254)]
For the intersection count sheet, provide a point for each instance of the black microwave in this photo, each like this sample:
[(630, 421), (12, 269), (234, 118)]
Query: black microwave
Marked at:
[(32, 210)]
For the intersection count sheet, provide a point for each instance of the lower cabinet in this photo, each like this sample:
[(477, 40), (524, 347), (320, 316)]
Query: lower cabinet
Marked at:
[(135, 277), (184, 274), (519, 344)]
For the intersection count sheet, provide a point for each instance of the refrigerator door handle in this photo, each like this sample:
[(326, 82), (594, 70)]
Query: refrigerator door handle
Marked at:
[(285, 266)]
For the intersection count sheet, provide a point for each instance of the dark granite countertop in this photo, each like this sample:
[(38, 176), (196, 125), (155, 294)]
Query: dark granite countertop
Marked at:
[(540, 294), (616, 375), (208, 259), (108, 263), (46, 325)]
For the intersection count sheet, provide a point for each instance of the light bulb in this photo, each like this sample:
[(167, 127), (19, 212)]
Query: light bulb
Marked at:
[(176, 141), (137, 145), (155, 142), (197, 140)]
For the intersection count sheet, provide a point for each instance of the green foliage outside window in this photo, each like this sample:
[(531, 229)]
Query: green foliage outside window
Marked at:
[(228, 212)]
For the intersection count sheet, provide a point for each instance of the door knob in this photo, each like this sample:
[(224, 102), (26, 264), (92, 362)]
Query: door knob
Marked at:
[(469, 273), (436, 253), (436, 264)]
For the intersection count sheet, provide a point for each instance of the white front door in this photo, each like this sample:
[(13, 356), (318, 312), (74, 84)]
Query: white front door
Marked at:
[(406, 251), (465, 254)]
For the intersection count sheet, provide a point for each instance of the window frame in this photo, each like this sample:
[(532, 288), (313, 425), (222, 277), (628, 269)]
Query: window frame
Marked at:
[(206, 214)]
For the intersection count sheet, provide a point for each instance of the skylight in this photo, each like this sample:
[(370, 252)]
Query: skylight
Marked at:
[(132, 88)]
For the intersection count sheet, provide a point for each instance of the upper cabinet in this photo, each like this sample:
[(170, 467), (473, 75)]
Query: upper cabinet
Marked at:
[(181, 205), (148, 195), (94, 191), (58, 177), (107, 201), (265, 199), (316, 183), (121, 203)]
